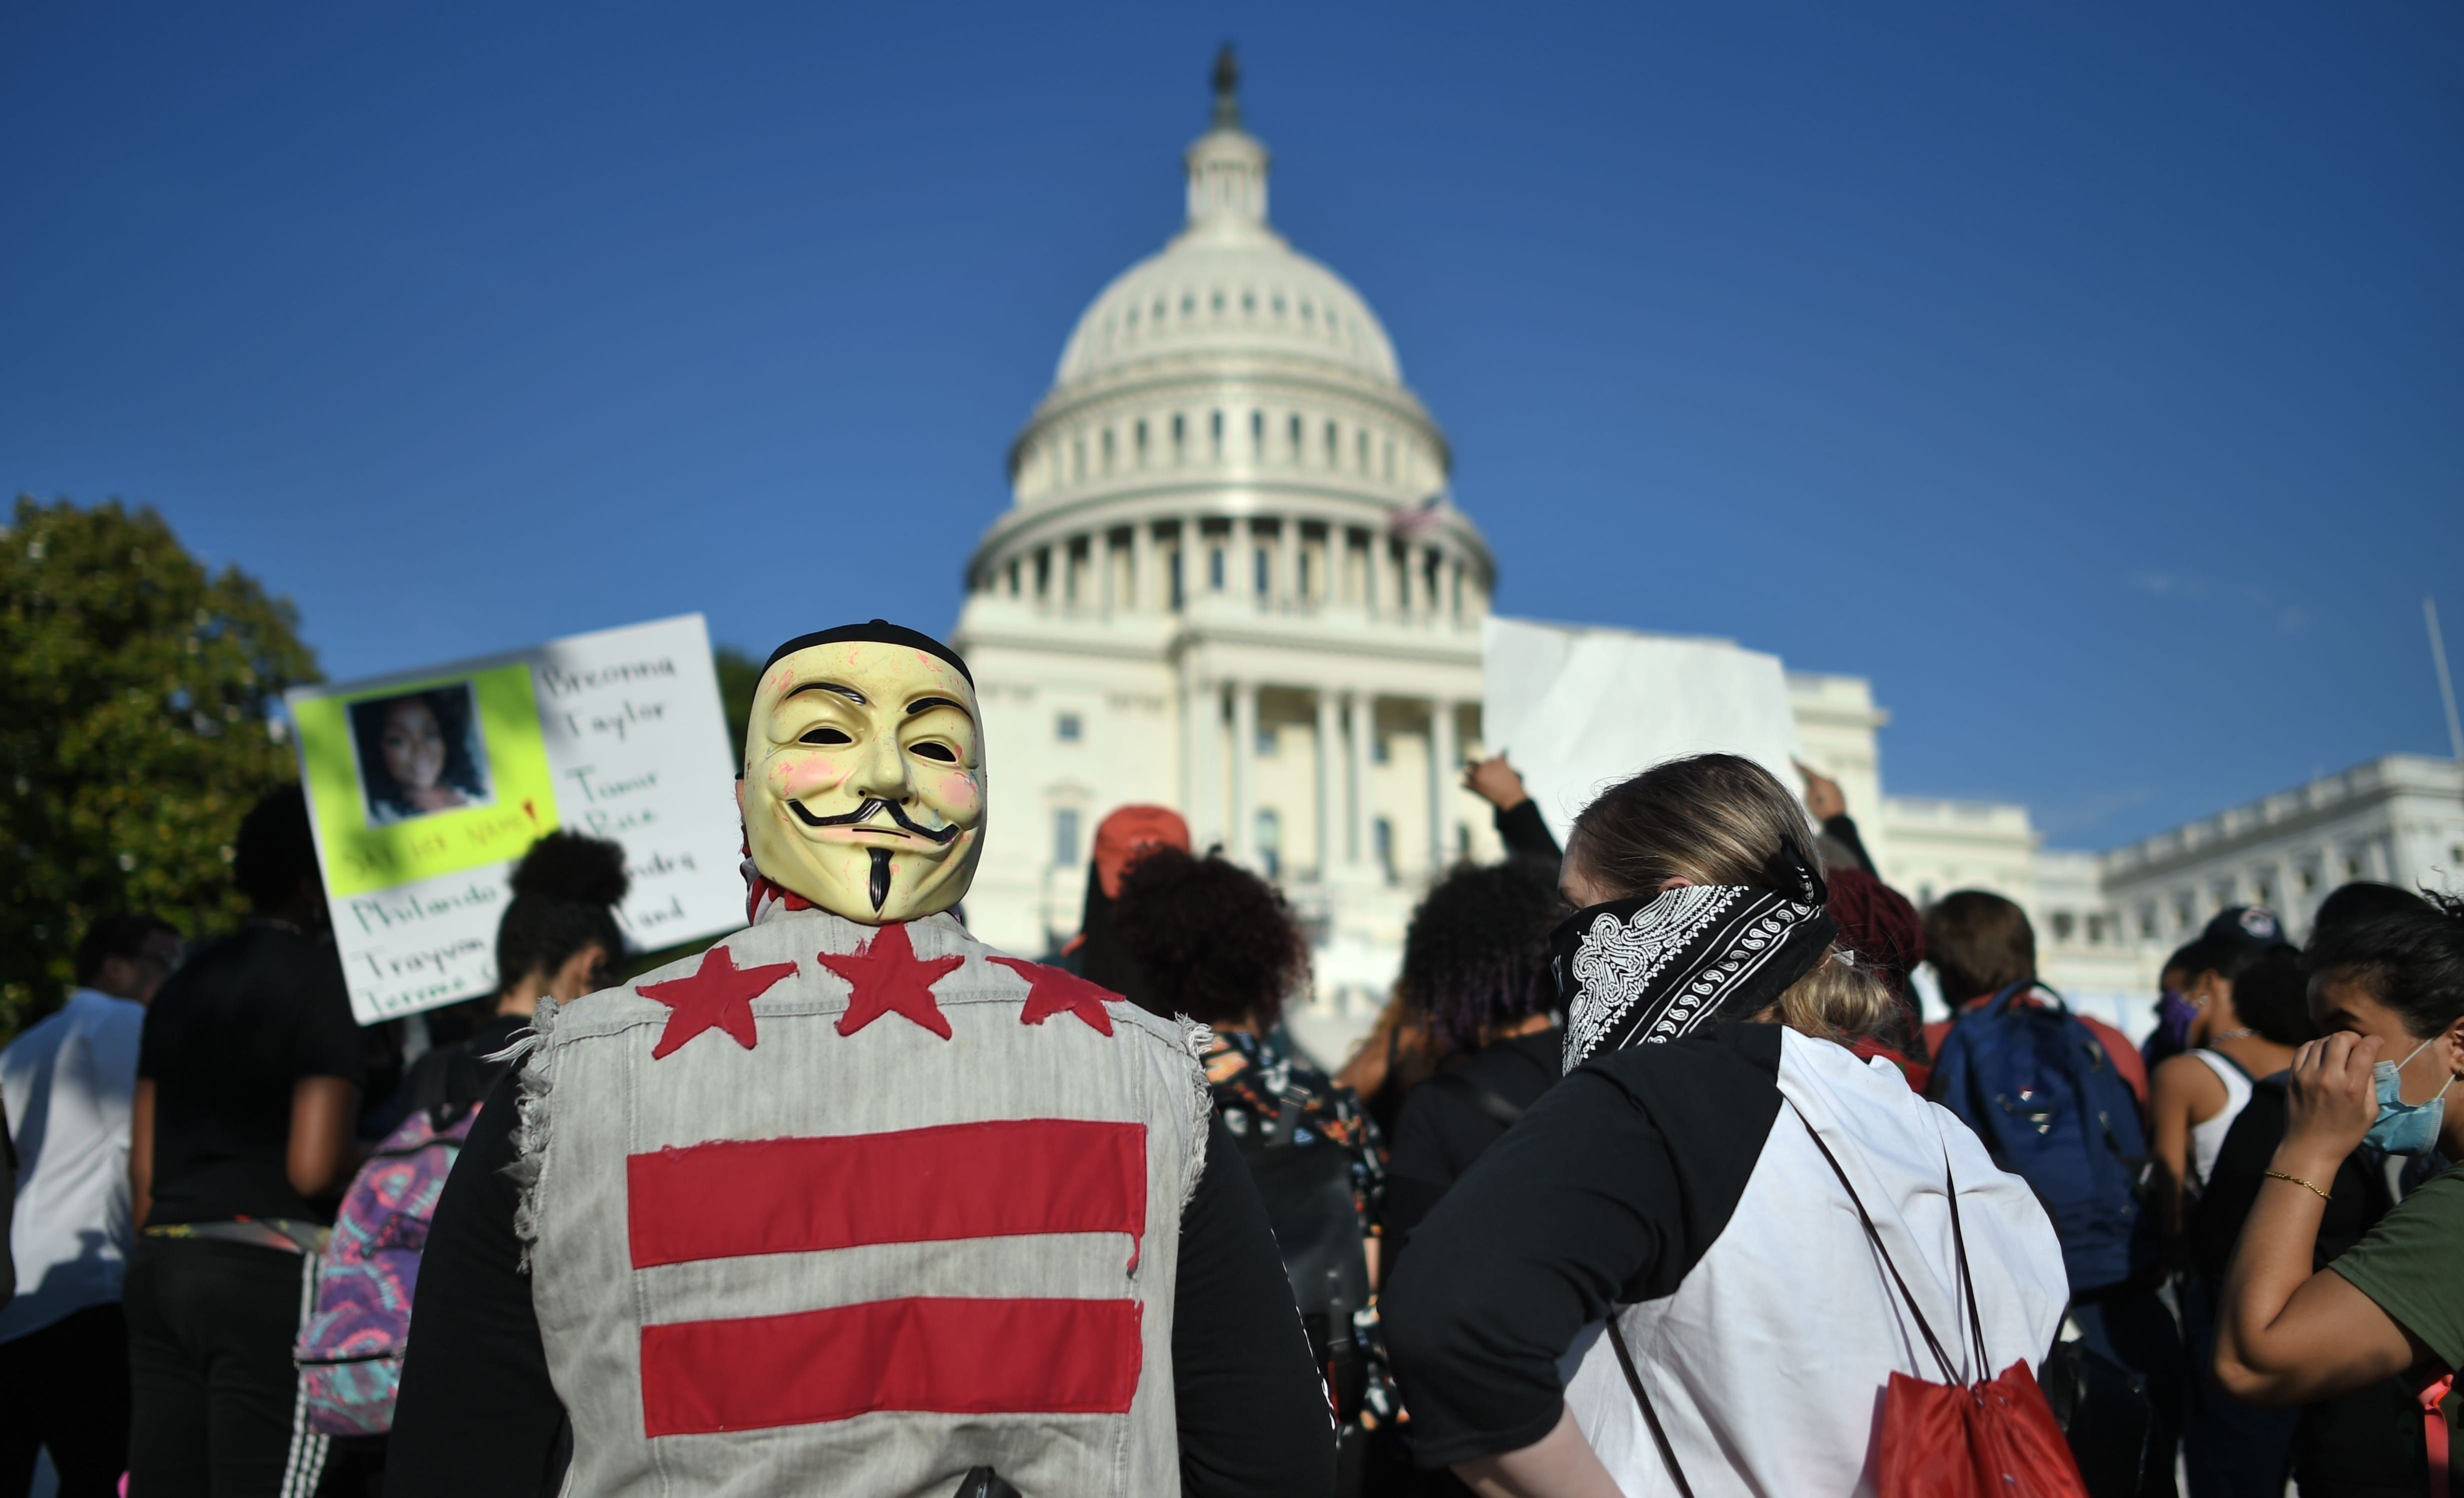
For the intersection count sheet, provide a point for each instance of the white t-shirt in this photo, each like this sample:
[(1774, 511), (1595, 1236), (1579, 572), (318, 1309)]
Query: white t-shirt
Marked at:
[(68, 1083)]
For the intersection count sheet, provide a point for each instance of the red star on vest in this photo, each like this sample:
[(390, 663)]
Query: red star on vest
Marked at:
[(719, 996), (1058, 991), (889, 977)]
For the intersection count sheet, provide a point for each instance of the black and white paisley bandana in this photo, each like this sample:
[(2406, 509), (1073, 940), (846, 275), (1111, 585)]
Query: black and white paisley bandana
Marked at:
[(1656, 967)]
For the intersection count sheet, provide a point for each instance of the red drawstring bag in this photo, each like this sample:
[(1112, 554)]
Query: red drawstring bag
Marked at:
[(1944, 1440), (1956, 1440), (1952, 1440)]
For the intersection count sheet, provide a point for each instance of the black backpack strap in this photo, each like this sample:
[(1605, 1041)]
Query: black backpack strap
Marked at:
[(1650, 1416), (1462, 1088)]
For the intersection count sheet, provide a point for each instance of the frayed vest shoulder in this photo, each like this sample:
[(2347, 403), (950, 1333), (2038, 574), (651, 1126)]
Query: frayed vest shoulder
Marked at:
[(832, 1208)]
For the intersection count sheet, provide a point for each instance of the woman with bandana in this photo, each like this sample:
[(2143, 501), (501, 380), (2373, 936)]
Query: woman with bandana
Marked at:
[(1725, 1225), (2390, 990)]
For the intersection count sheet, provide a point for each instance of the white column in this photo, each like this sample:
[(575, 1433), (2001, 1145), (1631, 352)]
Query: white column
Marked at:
[(1242, 577), (1360, 721), (1443, 758), (1287, 563), (1195, 697), (1146, 588), (1244, 841), (1328, 808), (1099, 553)]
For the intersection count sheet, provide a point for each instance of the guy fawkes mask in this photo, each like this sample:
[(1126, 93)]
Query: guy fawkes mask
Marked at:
[(863, 774)]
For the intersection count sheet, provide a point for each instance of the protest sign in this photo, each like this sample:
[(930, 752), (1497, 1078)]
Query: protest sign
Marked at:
[(1577, 709), (426, 787)]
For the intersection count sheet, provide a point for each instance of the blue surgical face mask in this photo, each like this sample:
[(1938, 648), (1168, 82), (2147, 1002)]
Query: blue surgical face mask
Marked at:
[(2405, 1127)]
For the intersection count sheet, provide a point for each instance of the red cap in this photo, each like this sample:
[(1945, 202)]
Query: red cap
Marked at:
[(1121, 837)]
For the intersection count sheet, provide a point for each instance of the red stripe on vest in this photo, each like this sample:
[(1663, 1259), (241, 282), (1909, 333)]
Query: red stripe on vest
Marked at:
[(939, 1356), (999, 1179)]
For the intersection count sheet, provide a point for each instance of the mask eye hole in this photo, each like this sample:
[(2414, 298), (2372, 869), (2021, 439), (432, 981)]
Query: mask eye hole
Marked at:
[(939, 753), (825, 736)]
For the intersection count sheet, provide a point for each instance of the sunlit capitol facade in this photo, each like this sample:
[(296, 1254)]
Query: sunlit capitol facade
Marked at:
[(1225, 586)]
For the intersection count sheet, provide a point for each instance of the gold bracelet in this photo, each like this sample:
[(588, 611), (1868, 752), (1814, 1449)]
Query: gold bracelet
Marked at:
[(2278, 1175)]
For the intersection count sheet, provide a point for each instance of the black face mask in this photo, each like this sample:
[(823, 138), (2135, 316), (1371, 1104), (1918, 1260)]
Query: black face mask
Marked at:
[(1656, 967)]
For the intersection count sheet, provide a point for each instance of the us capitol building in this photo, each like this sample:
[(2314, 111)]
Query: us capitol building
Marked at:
[(1233, 582)]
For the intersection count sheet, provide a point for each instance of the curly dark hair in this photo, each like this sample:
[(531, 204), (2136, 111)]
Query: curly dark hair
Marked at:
[(1215, 941), (566, 892), (1476, 955)]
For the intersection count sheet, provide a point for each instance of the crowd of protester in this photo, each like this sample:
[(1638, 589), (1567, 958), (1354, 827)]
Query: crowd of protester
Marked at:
[(182, 1132), (1649, 1177)]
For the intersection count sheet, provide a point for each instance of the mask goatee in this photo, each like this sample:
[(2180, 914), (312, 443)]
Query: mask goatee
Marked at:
[(880, 878)]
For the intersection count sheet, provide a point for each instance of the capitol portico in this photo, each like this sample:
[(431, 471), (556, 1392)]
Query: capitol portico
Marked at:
[(1231, 584)]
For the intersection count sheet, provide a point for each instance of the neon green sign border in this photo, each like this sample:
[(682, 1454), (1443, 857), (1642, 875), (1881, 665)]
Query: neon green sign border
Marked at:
[(358, 857)]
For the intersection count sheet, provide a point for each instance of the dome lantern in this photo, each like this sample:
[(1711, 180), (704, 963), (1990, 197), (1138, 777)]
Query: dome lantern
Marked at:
[(1227, 164)]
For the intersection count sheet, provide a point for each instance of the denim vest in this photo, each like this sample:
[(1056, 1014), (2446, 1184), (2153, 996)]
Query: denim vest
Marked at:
[(832, 1208)]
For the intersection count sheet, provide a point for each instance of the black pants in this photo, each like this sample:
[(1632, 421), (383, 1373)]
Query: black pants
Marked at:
[(66, 1387), (216, 1398), (2133, 1328)]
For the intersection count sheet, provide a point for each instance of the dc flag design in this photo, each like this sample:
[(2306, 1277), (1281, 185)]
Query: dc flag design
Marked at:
[(1006, 1177)]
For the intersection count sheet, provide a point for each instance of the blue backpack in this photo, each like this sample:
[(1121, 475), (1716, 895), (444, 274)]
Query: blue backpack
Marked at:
[(2039, 1088)]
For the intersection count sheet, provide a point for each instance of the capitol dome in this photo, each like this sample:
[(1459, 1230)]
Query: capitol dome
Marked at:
[(1227, 369), (1228, 285)]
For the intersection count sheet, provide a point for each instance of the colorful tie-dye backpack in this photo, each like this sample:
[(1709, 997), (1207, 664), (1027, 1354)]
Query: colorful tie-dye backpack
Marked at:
[(349, 1351)]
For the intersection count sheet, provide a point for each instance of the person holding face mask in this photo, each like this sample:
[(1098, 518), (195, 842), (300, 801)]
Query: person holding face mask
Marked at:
[(2364, 1441), (2390, 990), (851, 1203)]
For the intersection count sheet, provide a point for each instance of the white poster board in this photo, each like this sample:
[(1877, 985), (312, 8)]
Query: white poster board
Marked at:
[(1577, 708), (426, 787)]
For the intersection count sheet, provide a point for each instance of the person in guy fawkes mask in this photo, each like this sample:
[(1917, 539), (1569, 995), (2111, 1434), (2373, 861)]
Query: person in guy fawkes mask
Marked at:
[(851, 1203)]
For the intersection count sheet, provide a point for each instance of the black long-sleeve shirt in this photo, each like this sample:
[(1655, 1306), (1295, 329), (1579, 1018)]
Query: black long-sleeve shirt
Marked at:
[(478, 1418), (1611, 1188), (1448, 1124), (1525, 832)]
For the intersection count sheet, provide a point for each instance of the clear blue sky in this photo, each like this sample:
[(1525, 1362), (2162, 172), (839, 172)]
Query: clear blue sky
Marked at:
[(2091, 377)]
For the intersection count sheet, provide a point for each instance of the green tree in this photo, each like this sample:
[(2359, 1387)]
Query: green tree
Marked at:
[(138, 722), (739, 675)]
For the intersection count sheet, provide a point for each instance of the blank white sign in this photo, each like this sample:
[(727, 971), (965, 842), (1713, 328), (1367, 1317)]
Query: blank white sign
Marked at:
[(1579, 708)]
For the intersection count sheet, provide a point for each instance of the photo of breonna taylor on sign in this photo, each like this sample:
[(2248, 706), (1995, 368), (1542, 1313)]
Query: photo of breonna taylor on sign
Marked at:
[(851, 1201), (420, 752)]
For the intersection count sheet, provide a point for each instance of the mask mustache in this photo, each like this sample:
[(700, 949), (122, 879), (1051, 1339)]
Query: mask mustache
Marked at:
[(864, 813)]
